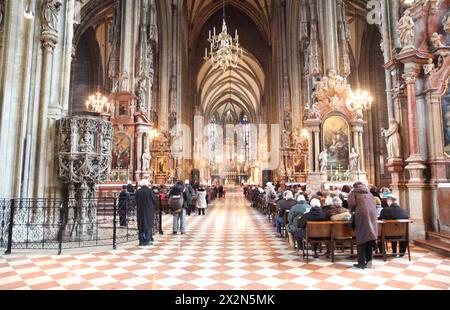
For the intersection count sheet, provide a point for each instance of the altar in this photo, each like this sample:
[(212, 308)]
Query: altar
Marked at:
[(335, 125)]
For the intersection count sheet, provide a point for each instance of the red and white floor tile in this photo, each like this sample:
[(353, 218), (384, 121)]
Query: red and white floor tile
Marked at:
[(232, 247)]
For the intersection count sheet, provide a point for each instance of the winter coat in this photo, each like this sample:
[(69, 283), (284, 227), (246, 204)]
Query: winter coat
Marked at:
[(284, 205), (145, 203), (271, 195), (124, 200), (394, 212), (314, 215), (360, 201), (296, 211), (201, 199)]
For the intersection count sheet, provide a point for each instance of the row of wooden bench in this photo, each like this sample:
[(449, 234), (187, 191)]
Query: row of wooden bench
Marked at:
[(332, 233)]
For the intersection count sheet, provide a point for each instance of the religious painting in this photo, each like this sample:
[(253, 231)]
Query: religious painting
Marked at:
[(336, 135), (121, 151), (161, 164), (299, 164), (123, 108), (445, 102)]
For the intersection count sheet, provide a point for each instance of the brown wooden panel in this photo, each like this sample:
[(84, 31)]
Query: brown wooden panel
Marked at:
[(444, 206)]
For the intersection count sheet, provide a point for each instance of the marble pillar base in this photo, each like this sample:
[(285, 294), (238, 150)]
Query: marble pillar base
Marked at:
[(415, 170)]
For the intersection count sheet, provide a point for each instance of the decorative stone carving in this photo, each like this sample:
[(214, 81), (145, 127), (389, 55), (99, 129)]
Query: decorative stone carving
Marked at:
[(353, 160), (124, 78), (323, 160), (286, 139), (314, 64), (428, 68), (84, 157), (49, 19), (405, 27), (172, 119), (446, 22), (393, 139), (146, 157), (141, 91), (114, 39), (2, 12), (436, 40), (50, 15), (332, 89)]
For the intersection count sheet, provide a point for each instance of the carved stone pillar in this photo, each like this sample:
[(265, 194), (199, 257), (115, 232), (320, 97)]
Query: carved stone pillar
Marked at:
[(49, 38), (314, 176), (139, 152)]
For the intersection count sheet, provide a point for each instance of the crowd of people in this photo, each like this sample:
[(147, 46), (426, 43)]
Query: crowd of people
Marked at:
[(360, 205), (183, 199)]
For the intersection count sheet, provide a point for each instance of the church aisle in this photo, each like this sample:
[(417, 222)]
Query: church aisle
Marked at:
[(232, 247)]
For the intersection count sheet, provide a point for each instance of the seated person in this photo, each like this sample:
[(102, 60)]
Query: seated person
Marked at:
[(378, 204), (337, 212), (315, 214), (282, 205), (394, 212), (327, 204), (297, 211)]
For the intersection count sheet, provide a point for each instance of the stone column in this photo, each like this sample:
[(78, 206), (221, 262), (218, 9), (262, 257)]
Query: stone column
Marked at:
[(49, 38), (139, 152), (310, 152), (128, 42)]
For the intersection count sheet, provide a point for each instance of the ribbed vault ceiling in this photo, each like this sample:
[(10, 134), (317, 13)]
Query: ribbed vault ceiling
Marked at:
[(244, 86)]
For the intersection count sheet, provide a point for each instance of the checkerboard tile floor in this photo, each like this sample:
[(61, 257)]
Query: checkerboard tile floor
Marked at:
[(233, 247)]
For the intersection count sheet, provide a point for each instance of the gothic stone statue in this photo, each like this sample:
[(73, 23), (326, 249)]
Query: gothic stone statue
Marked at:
[(436, 40), (323, 160), (428, 68), (146, 157), (393, 139), (50, 11), (354, 159), (405, 27)]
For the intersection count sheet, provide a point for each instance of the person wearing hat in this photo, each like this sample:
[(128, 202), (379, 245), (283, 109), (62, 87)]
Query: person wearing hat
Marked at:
[(271, 194), (394, 212), (145, 203), (296, 212)]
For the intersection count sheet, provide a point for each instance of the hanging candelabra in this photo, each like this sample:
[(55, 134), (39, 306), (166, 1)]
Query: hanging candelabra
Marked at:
[(225, 51)]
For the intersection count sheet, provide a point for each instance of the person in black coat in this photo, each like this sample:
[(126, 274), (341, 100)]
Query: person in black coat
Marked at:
[(315, 214), (130, 188), (145, 203), (122, 206), (394, 212), (176, 203)]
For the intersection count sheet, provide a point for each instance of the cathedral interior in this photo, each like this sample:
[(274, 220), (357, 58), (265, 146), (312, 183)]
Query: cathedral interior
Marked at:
[(98, 93)]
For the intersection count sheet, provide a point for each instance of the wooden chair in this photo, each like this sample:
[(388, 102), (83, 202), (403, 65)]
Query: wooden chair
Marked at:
[(395, 231), (342, 233), (284, 231), (317, 233), (272, 213)]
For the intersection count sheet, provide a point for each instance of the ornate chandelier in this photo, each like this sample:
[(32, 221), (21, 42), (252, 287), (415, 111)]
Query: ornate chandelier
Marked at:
[(98, 104), (359, 101), (225, 52)]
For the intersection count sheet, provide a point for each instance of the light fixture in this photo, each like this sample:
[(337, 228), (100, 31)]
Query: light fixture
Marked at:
[(98, 104), (359, 101), (225, 52), (28, 13)]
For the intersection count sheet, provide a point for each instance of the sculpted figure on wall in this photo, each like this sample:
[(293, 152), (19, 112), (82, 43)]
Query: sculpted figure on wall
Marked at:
[(405, 29), (323, 160), (393, 139), (354, 160), (436, 40), (50, 12)]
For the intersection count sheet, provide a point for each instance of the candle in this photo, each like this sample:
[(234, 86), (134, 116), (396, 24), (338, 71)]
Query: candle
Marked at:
[(210, 34), (206, 52), (214, 31)]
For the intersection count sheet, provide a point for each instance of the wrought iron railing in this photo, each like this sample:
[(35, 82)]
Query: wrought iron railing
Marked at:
[(63, 224)]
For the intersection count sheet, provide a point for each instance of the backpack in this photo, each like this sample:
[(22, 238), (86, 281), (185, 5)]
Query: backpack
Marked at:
[(176, 203)]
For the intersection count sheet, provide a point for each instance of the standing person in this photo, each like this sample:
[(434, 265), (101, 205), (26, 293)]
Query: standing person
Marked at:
[(202, 200), (145, 202), (130, 187), (394, 212), (176, 203), (122, 206), (361, 204), (188, 196)]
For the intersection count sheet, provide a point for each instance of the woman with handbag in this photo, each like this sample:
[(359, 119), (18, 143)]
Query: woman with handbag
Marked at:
[(176, 203)]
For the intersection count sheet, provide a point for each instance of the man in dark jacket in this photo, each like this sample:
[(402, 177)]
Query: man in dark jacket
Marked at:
[(145, 203), (361, 204), (130, 187), (122, 206), (176, 203), (394, 212)]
